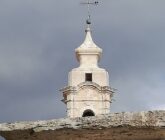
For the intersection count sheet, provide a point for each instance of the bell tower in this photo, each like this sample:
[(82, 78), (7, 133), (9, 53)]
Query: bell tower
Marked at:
[(88, 92)]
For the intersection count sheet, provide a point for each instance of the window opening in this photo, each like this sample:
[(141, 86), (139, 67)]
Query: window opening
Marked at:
[(88, 77)]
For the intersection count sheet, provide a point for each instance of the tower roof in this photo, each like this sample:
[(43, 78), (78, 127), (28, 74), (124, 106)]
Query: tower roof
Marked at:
[(88, 46)]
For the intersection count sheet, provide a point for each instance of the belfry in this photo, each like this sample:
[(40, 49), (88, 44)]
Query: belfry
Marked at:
[(88, 92)]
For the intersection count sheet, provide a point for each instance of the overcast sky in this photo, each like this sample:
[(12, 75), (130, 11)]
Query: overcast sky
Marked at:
[(37, 42)]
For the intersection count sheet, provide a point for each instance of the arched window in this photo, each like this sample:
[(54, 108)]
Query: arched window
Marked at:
[(88, 113)]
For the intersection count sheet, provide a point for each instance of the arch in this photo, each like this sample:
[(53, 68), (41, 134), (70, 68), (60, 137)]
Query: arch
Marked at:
[(88, 113)]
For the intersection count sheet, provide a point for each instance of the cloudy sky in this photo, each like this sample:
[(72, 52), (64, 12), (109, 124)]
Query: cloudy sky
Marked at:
[(37, 42)]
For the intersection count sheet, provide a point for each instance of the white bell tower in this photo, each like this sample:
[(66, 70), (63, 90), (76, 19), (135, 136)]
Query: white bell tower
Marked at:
[(88, 92)]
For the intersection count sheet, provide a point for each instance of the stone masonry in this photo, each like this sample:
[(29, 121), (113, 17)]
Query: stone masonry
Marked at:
[(88, 92), (114, 126)]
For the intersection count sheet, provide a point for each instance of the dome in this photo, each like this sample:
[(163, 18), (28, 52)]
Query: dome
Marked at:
[(88, 47)]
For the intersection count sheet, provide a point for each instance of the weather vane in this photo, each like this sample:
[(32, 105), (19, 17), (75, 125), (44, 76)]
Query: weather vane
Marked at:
[(89, 3)]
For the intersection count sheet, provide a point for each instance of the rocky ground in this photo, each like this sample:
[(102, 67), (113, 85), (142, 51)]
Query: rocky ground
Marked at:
[(114, 126)]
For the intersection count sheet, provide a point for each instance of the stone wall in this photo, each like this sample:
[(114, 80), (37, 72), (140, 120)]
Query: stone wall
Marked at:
[(115, 126)]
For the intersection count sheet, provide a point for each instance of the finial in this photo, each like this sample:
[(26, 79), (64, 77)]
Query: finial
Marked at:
[(88, 3)]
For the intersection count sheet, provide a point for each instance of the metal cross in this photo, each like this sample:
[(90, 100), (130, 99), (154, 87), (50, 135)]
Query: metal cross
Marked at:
[(89, 3)]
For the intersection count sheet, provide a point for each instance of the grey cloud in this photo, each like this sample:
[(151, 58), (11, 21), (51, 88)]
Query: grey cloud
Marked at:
[(1, 138), (37, 42)]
